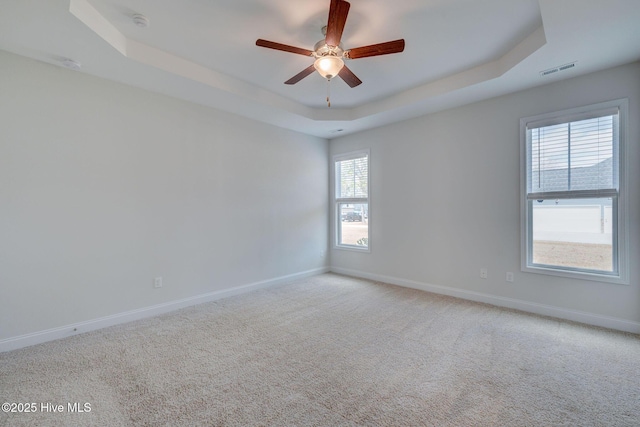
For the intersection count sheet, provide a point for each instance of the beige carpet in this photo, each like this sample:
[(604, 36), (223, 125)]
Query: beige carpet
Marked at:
[(332, 351)]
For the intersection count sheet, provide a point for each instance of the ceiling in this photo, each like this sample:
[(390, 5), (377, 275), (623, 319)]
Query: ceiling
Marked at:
[(203, 51)]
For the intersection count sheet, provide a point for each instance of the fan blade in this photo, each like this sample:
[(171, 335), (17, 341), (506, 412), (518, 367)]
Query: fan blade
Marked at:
[(395, 46), (338, 12), (301, 75), (283, 47), (348, 77)]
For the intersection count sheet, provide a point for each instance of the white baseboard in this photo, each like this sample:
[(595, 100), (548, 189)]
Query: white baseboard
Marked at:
[(530, 307), (14, 343)]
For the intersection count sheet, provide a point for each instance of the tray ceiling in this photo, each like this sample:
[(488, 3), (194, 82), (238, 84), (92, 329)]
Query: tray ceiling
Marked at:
[(457, 51)]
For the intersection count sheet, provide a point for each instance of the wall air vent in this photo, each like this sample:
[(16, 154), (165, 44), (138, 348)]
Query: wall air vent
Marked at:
[(558, 68)]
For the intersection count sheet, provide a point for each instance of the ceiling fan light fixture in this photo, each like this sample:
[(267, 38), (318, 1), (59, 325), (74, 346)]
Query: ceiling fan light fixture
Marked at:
[(328, 66), (329, 54)]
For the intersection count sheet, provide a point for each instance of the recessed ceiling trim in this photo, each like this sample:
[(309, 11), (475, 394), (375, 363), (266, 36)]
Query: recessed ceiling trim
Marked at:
[(481, 73), (178, 66), (86, 13), (165, 61)]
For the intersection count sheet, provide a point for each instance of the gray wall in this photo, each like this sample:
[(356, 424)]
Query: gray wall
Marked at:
[(104, 187), (445, 201)]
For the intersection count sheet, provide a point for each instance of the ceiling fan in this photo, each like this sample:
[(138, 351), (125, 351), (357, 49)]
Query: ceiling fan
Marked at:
[(329, 52)]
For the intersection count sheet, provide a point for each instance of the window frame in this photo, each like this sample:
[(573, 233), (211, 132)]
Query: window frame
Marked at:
[(338, 201), (619, 217)]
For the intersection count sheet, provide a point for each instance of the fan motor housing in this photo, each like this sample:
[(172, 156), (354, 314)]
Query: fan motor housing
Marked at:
[(323, 49)]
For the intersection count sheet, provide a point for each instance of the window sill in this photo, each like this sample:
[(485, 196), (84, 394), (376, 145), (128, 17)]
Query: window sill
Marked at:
[(580, 275), (352, 248)]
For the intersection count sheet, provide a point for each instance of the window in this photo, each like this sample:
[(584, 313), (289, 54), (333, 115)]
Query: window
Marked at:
[(573, 203), (351, 174)]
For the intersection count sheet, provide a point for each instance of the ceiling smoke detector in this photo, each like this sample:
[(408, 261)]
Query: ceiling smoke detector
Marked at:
[(140, 20), (71, 64)]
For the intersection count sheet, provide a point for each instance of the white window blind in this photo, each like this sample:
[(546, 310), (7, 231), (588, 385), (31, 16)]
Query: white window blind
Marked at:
[(576, 156), (353, 177)]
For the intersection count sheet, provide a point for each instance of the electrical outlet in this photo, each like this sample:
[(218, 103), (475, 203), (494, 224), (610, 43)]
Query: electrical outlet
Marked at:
[(483, 273), (157, 282), (509, 277)]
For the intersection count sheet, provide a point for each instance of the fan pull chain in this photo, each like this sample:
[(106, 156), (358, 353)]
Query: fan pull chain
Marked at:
[(329, 93)]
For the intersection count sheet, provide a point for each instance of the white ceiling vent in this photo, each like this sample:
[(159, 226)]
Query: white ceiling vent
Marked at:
[(559, 68)]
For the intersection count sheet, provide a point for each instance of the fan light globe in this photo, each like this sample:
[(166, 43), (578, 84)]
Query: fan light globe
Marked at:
[(328, 66)]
